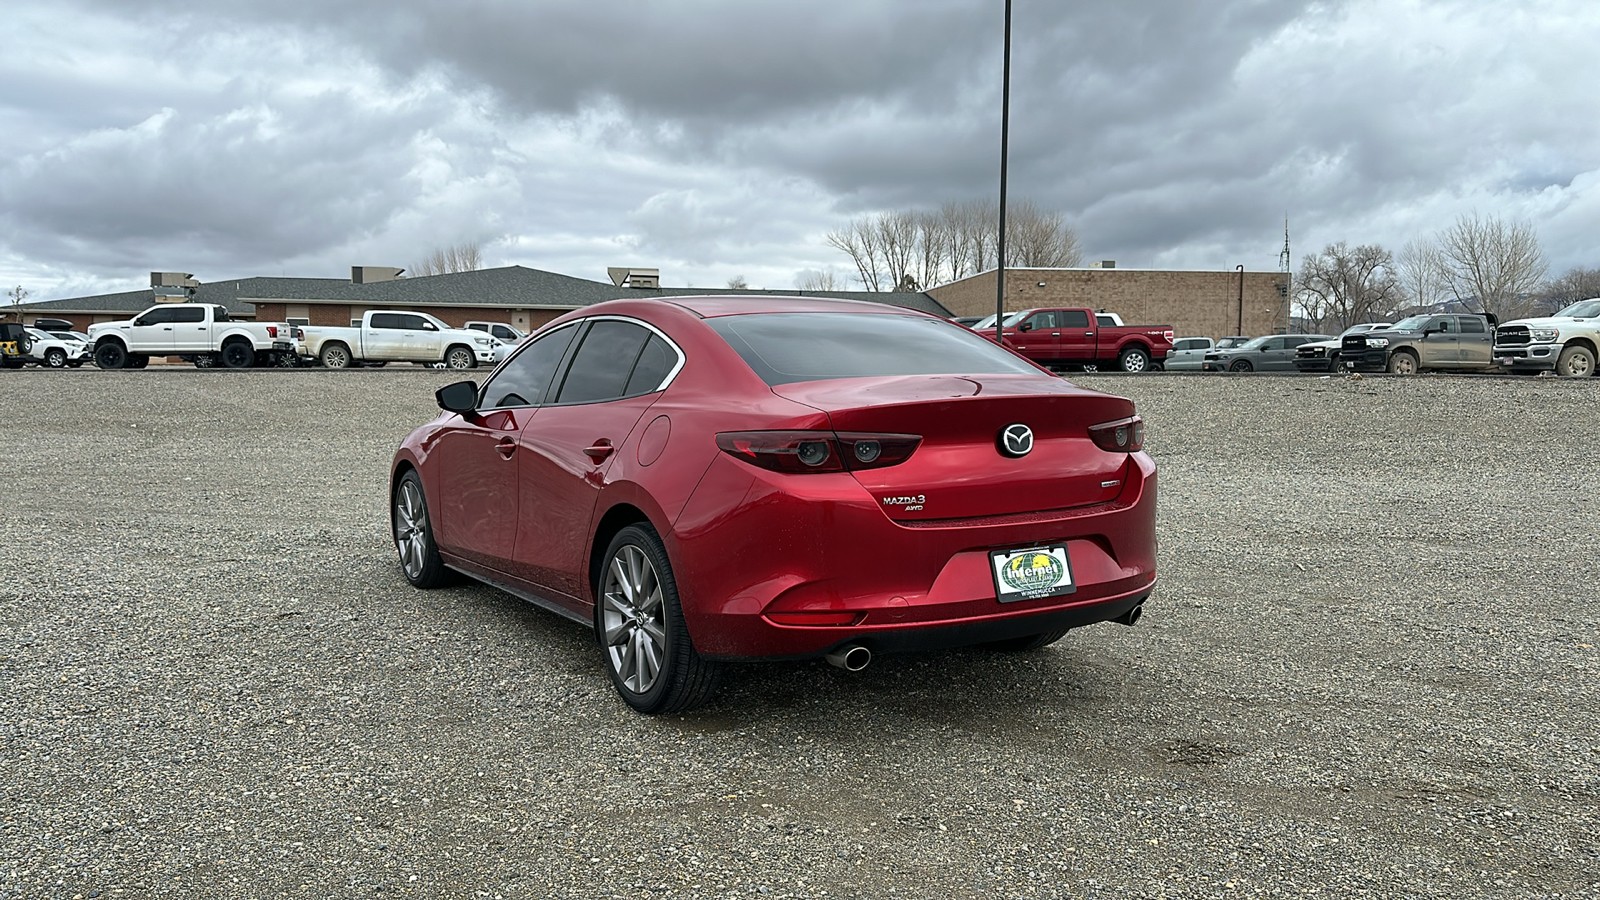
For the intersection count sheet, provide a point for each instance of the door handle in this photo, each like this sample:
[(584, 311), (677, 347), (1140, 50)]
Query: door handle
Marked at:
[(1055, 334), (166, 329), (600, 450), (506, 447), (1088, 334)]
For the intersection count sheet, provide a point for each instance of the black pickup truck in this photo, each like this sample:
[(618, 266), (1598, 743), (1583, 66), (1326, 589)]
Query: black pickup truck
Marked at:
[(1448, 341)]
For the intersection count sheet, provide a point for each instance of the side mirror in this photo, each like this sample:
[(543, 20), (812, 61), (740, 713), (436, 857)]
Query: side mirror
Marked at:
[(1025, 326), (460, 398)]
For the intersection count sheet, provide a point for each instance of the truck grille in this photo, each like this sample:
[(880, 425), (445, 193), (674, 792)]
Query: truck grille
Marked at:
[(1311, 352), (1511, 335), (1354, 342)]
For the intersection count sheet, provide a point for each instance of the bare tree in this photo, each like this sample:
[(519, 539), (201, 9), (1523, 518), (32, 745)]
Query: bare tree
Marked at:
[(1343, 286), (15, 298), (738, 283), (908, 250), (827, 279), (1491, 263), (1421, 272), (1578, 283), (463, 257)]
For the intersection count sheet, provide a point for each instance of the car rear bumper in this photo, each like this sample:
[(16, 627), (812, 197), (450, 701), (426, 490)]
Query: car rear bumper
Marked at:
[(749, 578)]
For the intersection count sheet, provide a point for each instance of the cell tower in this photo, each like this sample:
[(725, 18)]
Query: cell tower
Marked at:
[(1286, 274)]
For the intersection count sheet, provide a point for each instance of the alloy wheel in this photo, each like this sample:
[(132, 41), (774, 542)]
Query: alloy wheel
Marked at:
[(633, 619), (411, 529)]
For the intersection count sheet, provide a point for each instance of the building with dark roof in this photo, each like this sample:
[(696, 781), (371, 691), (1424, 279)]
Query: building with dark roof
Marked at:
[(523, 297)]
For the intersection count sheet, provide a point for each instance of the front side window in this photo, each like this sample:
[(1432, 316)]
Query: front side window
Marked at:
[(155, 317), (414, 323), (787, 347), (1444, 324), (1043, 321), (525, 379)]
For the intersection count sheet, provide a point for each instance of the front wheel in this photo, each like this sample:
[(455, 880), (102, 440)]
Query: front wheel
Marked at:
[(111, 355), (1134, 359), (413, 535), (1575, 362), (1402, 363), (55, 358), (1241, 365), (648, 653), (460, 358)]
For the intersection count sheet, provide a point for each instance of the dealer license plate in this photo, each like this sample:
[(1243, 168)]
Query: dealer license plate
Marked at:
[(1032, 573)]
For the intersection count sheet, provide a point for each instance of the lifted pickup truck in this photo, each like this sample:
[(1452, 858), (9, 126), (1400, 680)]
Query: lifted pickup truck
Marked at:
[(1430, 341), (1072, 336), (398, 336), (1567, 342), (200, 333)]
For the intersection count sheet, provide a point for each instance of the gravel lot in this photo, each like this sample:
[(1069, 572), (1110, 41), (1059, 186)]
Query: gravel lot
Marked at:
[(1371, 669)]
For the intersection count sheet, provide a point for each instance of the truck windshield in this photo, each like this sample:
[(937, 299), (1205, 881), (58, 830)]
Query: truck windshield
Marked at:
[(1583, 309), (787, 347)]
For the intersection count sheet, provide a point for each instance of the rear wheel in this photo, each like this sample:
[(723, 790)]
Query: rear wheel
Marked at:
[(1241, 365), (238, 355), (1575, 362), (1027, 642), (1402, 362), (335, 356), (205, 361), (648, 653), (111, 355), (1134, 359)]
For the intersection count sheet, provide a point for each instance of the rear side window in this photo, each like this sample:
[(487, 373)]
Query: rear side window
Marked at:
[(655, 363), (787, 347), (387, 320), (1472, 326), (1075, 318), (525, 379), (604, 362), (188, 314)]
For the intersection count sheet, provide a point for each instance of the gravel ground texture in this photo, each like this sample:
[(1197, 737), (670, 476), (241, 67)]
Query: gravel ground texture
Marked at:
[(1371, 669)]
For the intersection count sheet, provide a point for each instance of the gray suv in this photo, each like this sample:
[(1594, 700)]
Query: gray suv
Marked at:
[(1268, 353)]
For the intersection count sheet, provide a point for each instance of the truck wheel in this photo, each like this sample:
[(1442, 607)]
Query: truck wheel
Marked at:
[(238, 355), (1575, 362), (287, 361), (138, 360), (111, 355), (1241, 365), (1402, 362), (335, 356), (55, 358), (460, 358), (205, 361), (1134, 359)]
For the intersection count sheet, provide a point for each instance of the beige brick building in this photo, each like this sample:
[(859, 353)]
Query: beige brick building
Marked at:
[(1193, 303)]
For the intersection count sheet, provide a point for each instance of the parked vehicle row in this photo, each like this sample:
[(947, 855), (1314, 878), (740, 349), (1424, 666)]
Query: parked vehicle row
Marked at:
[(1323, 356)]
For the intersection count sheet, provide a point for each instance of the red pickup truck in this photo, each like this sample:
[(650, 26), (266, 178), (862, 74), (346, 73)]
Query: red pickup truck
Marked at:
[(1071, 336)]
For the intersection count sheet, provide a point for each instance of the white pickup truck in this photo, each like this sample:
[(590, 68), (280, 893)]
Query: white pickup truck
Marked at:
[(386, 335), (201, 333), (1567, 342)]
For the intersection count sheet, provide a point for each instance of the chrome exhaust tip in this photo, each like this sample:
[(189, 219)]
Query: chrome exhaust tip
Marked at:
[(850, 657), (1131, 617)]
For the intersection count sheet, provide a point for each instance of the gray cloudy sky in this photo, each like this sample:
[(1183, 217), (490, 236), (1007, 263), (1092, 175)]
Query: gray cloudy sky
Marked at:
[(714, 138)]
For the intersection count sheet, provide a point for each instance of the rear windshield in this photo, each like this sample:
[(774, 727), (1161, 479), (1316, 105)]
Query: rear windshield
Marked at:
[(787, 347)]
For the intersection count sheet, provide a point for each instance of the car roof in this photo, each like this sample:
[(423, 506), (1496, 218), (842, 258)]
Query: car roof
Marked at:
[(732, 305)]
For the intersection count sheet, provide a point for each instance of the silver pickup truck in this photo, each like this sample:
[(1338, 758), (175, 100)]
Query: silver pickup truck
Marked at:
[(397, 336)]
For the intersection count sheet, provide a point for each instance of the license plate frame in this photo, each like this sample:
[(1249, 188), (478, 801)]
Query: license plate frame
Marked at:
[(1032, 579)]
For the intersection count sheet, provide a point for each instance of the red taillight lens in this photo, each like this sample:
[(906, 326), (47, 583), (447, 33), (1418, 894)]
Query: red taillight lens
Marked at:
[(272, 331), (817, 451), (1121, 436)]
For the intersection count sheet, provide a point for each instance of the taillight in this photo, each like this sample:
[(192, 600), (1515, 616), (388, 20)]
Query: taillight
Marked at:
[(817, 451), (272, 331), (1168, 335), (1121, 436)]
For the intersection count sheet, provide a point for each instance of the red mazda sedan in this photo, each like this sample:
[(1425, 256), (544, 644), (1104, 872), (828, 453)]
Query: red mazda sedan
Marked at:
[(702, 479)]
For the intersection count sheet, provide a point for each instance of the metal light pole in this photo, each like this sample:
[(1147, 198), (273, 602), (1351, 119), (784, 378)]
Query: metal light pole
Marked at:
[(1241, 299), (1005, 144)]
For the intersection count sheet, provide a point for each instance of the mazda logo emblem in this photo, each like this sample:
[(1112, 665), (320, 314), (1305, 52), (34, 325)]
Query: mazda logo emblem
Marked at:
[(1016, 440)]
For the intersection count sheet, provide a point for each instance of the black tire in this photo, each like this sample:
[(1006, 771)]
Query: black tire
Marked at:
[(1575, 362), (459, 357), (111, 355), (1134, 359), (13, 362), (138, 360), (1241, 365), (412, 529), (1403, 362), (75, 364), (335, 356), (683, 679), (55, 358), (238, 355), (1027, 642)]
